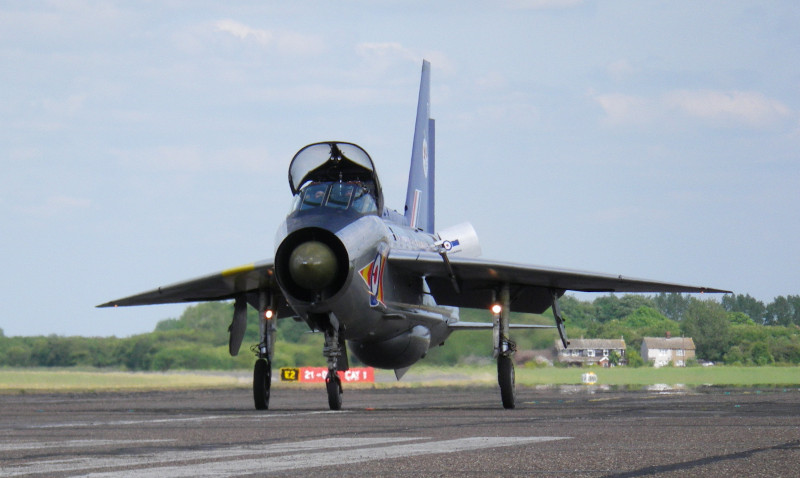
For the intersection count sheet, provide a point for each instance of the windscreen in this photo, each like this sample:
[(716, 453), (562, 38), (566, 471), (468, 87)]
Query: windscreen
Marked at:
[(344, 196)]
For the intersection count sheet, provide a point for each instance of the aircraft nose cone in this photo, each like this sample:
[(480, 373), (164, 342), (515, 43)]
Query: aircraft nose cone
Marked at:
[(312, 265)]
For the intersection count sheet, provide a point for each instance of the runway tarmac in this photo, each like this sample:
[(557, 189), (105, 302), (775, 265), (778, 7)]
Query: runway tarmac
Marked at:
[(418, 432)]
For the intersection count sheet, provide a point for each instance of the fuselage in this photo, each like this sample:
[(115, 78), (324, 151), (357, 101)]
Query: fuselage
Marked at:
[(330, 261), (376, 306)]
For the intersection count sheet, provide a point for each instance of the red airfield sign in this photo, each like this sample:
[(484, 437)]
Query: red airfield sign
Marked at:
[(319, 374)]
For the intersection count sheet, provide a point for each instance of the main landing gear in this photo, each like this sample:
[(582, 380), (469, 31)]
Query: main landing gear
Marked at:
[(262, 372), (262, 379), (504, 348), (505, 377)]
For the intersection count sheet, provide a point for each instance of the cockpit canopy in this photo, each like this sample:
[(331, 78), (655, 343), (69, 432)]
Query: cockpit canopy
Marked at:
[(341, 173)]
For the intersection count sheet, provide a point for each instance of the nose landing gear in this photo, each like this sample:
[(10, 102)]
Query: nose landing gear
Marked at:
[(335, 352), (334, 386)]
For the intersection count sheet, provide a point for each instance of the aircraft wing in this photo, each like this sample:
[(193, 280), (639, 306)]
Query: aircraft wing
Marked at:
[(218, 286), (531, 286)]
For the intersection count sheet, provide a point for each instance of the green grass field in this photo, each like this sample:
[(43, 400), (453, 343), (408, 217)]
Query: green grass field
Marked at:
[(618, 376), (79, 380), (693, 376), (70, 380)]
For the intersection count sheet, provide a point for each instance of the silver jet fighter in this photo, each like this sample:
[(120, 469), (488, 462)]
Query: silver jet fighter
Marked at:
[(383, 284)]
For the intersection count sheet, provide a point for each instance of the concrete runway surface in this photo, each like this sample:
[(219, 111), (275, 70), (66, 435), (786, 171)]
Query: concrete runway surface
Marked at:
[(417, 432)]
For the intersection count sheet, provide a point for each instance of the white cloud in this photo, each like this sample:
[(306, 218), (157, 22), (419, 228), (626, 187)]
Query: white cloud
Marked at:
[(298, 43), (63, 106), (543, 4), (56, 206), (521, 115), (244, 32), (320, 93), (613, 215), (387, 51), (624, 109), (492, 80), (383, 55), (191, 159), (24, 154), (286, 42), (716, 108), (748, 108), (621, 69)]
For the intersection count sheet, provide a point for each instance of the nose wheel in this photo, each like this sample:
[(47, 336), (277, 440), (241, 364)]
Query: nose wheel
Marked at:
[(335, 353), (334, 386)]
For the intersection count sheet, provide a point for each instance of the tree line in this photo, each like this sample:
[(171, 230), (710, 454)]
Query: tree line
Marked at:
[(736, 330)]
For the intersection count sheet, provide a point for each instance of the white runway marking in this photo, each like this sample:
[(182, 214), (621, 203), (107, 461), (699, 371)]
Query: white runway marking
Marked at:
[(74, 444), (232, 461), (172, 420), (173, 456)]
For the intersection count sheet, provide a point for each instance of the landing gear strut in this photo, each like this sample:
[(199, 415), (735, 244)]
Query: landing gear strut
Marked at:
[(504, 348), (335, 353), (262, 372)]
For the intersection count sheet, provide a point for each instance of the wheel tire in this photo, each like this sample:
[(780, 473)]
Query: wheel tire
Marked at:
[(505, 377), (262, 380), (334, 388)]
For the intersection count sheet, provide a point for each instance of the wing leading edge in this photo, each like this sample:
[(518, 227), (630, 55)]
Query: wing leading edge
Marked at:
[(532, 287), (224, 285)]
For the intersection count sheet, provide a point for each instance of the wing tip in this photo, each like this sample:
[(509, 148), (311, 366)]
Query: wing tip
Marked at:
[(711, 290)]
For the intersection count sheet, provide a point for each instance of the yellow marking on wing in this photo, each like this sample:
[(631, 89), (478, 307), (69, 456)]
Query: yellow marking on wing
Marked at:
[(238, 270)]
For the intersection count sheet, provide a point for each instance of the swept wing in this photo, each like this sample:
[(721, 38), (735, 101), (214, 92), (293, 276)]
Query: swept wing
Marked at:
[(224, 285), (532, 287)]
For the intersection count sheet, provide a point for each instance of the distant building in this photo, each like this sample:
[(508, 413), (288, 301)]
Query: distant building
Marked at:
[(665, 350), (590, 351), (542, 356)]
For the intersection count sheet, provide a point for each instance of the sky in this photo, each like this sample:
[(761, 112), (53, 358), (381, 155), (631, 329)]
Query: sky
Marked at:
[(144, 143)]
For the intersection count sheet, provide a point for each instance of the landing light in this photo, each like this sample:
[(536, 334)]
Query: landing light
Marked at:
[(497, 308)]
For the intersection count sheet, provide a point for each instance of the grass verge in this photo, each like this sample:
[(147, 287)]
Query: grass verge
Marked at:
[(39, 380), (72, 380), (618, 376), (691, 376)]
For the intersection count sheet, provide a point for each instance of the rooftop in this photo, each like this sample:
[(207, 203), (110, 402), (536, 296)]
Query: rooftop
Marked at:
[(673, 343)]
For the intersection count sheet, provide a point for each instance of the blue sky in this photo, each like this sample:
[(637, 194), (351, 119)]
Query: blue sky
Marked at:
[(143, 143)]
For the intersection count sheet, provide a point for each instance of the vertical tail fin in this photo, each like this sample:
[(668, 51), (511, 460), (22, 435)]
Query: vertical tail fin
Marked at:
[(420, 193)]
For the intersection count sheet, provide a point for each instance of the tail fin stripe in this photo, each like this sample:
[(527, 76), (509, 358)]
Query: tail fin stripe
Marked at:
[(415, 208)]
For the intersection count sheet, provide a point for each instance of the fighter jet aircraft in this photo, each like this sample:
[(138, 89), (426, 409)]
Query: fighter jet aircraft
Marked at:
[(384, 284)]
